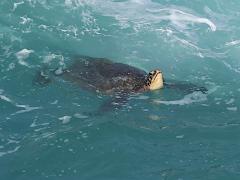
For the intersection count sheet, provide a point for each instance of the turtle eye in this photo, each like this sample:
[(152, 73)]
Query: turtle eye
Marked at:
[(151, 73)]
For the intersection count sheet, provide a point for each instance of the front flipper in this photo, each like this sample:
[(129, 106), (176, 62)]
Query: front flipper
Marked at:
[(114, 103), (185, 87)]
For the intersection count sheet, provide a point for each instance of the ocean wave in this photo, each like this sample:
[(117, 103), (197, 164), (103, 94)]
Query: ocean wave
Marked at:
[(170, 23), (144, 12), (177, 16), (198, 51)]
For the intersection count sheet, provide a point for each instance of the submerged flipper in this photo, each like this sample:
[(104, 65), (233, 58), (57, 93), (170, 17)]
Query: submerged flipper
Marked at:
[(114, 103), (185, 87), (44, 76)]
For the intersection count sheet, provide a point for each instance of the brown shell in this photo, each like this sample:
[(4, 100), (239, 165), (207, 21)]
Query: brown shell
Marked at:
[(100, 74)]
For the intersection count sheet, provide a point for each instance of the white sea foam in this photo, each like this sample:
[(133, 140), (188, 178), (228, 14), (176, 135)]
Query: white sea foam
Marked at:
[(34, 124), (80, 116), (65, 119), (232, 108), (51, 57), (180, 136), (188, 99), (68, 3), (9, 151), (8, 145), (43, 134), (230, 67), (25, 20), (230, 101), (12, 141), (200, 52), (54, 102), (232, 43), (27, 108), (177, 16), (194, 97), (142, 12), (48, 58), (43, 26), (2, 97), (22, 55), (73, 3), (40, 129), (169, 21), (15, 5), (11, 66)]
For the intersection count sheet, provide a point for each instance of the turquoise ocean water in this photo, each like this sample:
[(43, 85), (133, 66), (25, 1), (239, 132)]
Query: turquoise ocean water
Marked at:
[(44, 133)]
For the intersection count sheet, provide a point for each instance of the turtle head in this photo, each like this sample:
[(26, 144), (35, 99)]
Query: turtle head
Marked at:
[(154, 80)]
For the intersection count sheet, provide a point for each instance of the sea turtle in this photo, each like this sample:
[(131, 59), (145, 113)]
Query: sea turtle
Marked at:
[(118, 80)]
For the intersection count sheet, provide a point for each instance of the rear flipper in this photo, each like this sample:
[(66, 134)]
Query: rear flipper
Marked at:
[(45, 76), (185, 87), (42, 78)]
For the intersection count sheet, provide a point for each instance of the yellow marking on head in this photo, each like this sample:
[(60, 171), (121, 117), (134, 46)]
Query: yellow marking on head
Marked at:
[(154, 80)]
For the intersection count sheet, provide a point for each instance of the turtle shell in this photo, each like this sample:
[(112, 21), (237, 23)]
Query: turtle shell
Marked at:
[(100, 74)]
